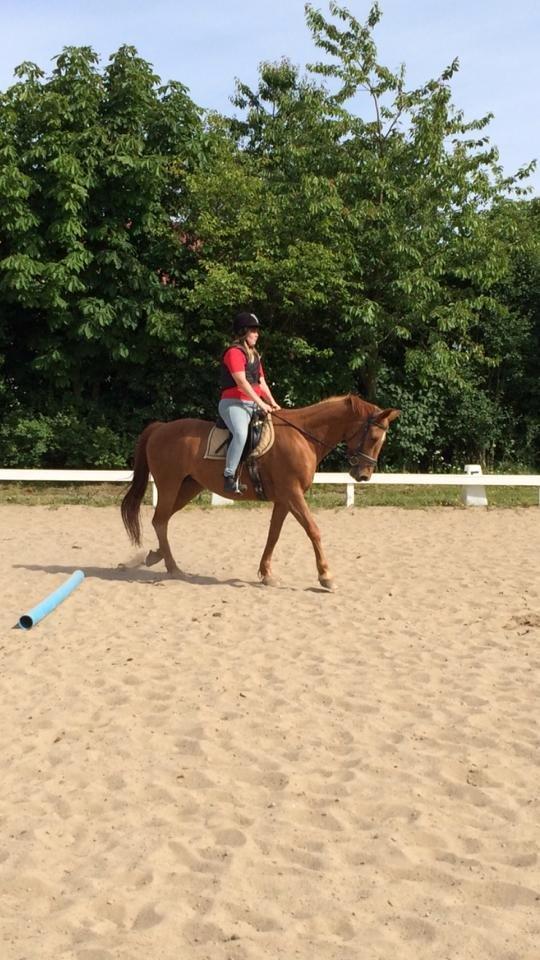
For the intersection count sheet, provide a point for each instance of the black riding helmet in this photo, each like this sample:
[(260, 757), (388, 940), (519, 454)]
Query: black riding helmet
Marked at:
[(245, 321)]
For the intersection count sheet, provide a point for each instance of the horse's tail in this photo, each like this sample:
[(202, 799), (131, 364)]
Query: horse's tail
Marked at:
[(132, 501)]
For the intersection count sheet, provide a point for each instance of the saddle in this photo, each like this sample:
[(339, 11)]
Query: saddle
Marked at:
[(259, 440)]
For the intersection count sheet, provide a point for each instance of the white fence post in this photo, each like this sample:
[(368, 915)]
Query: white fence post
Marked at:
[(474, 496), (350, 494)]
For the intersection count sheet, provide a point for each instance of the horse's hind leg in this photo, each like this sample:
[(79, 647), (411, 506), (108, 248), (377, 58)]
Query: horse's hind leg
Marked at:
[(153, 557), (160, 522), (279, 513), (188, 490)]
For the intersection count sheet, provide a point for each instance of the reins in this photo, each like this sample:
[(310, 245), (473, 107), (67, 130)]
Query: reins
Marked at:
[(304, 433), (356, 454)]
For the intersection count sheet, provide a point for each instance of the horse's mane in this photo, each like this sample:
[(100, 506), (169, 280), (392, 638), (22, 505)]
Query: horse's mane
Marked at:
[(357, 403)]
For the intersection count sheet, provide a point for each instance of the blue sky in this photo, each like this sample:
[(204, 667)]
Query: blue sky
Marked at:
[(207, 44)]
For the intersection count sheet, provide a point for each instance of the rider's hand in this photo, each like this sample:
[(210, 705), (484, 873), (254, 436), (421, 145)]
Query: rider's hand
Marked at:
[(265, 407), (275, 406)]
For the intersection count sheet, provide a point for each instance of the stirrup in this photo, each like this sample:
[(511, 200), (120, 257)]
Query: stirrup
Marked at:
[(231, 485)]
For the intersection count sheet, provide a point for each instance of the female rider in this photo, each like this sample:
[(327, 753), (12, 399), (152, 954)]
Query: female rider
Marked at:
[(243, 388)]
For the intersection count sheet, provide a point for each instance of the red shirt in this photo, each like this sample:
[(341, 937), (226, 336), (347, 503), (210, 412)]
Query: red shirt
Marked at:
[(235, 360)]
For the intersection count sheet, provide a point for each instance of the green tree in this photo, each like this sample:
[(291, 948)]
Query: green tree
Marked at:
[(92, 166), (368, 223), (515, 380), (362, 233), (265, 211)]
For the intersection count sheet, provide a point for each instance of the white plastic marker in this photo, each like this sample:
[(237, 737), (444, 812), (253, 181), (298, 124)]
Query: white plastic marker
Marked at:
[(29, 620)]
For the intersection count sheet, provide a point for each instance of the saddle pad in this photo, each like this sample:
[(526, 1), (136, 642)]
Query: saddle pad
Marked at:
[(216, 446)]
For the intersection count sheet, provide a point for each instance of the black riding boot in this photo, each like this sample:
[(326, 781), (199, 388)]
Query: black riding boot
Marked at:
[(231, 485)]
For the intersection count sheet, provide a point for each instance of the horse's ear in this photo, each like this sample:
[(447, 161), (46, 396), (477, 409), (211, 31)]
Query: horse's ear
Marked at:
[(389, 415)]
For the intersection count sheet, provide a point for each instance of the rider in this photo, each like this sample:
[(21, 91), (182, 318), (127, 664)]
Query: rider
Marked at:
[(243, 388)]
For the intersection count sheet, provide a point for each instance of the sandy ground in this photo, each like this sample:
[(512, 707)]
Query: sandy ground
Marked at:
[(210, 769)]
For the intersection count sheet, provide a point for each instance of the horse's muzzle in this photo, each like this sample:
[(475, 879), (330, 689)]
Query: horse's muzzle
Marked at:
[(361, 474)]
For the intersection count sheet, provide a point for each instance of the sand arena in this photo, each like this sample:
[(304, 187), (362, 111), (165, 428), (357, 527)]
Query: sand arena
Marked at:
[(209, 768)]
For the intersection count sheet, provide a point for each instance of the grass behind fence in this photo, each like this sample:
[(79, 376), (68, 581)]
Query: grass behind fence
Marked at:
[(329, 496)]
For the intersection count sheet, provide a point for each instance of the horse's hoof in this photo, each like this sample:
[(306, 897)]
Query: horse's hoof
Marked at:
[(152, 557), (270, 581), (176, 574), (327, 583)]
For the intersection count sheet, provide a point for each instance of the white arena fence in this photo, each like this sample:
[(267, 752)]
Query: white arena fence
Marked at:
[(473, 481)]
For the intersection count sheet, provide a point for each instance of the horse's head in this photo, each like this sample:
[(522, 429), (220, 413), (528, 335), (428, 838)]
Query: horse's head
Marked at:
[(365, 445)]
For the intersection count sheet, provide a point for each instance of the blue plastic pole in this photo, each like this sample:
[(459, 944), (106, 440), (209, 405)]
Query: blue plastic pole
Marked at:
[(47, 605)]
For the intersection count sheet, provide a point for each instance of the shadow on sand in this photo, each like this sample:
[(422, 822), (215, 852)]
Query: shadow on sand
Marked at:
[(137, 575)]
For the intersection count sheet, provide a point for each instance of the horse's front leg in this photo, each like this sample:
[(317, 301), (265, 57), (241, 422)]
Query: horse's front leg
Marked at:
[(279, 513), (300, 510)]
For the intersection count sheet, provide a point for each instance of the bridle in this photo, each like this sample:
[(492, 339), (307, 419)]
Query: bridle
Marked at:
[(356, 456)]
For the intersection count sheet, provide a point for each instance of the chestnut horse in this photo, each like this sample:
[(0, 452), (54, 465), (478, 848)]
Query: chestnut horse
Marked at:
[(174, 454)]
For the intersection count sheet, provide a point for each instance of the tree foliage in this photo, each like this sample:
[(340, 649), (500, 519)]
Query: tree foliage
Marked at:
[(91, 271), (368, 223)]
